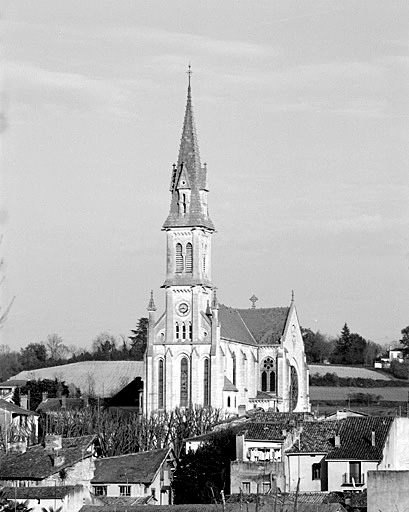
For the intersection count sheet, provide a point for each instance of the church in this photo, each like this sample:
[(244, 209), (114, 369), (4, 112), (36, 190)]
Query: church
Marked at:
[(199, 351)]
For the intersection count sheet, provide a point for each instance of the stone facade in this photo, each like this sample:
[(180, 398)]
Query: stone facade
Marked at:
[(203, 353)]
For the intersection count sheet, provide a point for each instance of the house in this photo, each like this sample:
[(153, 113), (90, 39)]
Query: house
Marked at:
[(69, 497), (358, 448), (68, 461), (18, 426), (8, 387), (146, 475), (305, 461), (394, 354)]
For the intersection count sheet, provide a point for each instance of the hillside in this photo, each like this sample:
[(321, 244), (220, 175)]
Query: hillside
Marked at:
[(101, 378), (347, 371)]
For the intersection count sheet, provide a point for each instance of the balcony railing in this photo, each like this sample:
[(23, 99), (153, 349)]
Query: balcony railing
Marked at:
[(353, 479)]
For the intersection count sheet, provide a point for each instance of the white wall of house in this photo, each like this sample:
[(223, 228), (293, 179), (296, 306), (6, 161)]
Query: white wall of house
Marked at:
[(337, 469), (70, 503), (396, 449), (79, 473), (299, 467)]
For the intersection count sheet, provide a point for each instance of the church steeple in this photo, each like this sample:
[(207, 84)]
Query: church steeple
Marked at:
[(188, 186)]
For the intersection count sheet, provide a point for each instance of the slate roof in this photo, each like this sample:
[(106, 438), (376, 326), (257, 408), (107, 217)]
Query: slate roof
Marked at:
[(263, 326), (316, 436), (356, 435), (105, 377), (13, 383), (138, 467), (56, 404), (36, 464), (228, 385), (15, 409), (229, 507), (125, 501), (38, 492)]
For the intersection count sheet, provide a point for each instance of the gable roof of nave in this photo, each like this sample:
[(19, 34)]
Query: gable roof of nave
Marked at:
[(263, 326)]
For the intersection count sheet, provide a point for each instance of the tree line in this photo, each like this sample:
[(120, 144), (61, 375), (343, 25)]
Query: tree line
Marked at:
[(53, 351)]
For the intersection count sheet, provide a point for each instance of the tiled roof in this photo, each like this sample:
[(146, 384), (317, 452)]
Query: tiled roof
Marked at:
[(15, 409), (36, 464), (316, 436), (189, 165), (356, 438), (138, 467), (265, 324), (229, 507), (228, 385), (38, 492), (292, 418), (264, 431), (232, 326)]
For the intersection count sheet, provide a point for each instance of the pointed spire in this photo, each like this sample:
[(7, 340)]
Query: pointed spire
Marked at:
[(189, 147), (151, 305)]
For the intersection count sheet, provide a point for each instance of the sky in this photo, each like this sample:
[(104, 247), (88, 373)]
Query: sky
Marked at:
[(302, 115)]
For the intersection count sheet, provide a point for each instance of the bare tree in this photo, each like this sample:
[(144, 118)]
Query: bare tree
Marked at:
[(55, 346)]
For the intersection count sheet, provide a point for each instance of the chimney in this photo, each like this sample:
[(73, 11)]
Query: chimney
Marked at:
[(44, 396), (24, 401), (57, 459), (52, 443), (64, 402), (337, 441), (242, 410), (373, 438)]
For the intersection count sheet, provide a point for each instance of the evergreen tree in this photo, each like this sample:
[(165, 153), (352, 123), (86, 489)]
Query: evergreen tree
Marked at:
[(139, 339), (342, 347)]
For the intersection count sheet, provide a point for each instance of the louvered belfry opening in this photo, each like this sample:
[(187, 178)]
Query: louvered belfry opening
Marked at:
[(179, 258), (189, 258)]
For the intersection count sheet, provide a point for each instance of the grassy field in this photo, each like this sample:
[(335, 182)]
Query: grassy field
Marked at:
[(347, 371), (324, 393)]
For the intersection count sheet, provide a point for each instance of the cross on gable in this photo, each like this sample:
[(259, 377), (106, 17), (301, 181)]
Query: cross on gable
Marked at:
[(253, 300)]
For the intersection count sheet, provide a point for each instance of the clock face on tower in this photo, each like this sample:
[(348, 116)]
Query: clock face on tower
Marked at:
[(182, 308)]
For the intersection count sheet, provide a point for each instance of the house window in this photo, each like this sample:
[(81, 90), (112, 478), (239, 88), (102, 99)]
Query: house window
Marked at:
[(206, 380), (266, 487), (354, 472), (189, 258), (246, 487), (268, 375), (179, 258), (316, 471), (183, 382), (124, 490), (160, 385), (153, 493), (228, 401), (100, 490)]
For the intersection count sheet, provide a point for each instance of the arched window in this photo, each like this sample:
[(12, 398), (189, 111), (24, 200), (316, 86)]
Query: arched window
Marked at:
[(183, 330), (234, 369), (206, 382), (183, 203), (268, 375), (189, 258), (160, 384), (179, 258), (177, 331), (190, 330), (183, 382), (228, 401)]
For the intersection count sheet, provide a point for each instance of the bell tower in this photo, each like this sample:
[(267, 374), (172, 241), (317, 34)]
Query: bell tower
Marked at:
[(184, 331)]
